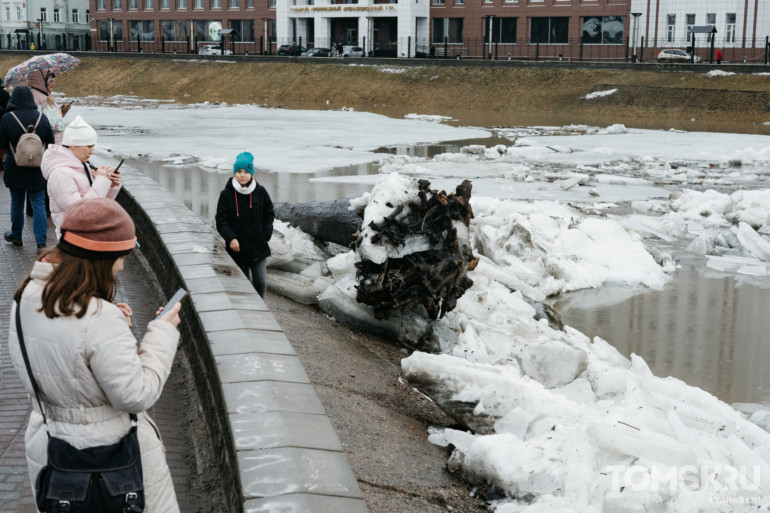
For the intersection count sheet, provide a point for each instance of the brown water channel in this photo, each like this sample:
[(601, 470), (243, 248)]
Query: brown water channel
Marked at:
[(706, 329)]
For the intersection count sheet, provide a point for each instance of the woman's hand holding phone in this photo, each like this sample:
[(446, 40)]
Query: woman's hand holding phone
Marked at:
[(103, 171), (172, 315)]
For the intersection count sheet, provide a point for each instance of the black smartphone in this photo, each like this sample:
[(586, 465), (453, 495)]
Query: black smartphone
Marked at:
[(177, 297), (116, 169)]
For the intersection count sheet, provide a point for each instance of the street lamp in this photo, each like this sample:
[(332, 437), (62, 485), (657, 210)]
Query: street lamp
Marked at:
[(40, 34), (266, 34), (491, 18), (635, 36)]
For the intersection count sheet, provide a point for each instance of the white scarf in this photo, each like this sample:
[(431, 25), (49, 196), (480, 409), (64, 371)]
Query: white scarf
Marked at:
[(245, 189)]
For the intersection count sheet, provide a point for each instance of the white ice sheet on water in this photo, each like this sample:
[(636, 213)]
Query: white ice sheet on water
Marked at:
[(296, 141)]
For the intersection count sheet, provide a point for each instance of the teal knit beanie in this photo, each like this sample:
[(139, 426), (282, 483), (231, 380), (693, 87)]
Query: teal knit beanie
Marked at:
[(245, 161)]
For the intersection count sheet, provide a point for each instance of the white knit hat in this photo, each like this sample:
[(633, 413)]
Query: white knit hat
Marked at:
[(79, 133)]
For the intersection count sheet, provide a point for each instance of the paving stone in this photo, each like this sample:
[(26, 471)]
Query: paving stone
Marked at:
[(239, 319), (248, 341), (271, 396), (302, 503), (284, 429), (260, 367), (216, 301), (271, 472)]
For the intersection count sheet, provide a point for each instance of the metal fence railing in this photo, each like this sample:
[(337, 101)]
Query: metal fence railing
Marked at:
[(469, 48)]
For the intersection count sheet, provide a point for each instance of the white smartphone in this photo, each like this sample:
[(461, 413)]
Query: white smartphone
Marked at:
[(177, 297)]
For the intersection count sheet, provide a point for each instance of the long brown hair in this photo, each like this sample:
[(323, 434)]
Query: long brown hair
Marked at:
[(72, 284)]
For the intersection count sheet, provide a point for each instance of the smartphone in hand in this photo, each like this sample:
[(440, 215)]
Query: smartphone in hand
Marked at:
[(116, 169), (177, 297)]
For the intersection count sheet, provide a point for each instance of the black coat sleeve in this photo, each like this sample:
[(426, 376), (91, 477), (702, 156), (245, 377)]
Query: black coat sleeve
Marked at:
[(224, 227), (268, 216)]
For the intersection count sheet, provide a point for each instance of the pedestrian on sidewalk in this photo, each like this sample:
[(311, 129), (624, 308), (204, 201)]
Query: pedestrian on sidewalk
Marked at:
[(82, 352), (24, 180), (70, 179), (245, 220)]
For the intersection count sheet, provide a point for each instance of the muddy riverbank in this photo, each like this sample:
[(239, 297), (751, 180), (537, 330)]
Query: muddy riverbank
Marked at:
[(655, 96)]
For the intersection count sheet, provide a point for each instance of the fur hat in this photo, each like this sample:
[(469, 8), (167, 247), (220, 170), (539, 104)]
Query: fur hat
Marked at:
[(79, 133), (97, 229), (245, 161)]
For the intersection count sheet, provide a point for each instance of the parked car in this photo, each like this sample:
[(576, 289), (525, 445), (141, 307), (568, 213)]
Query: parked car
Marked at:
[(213, 50), (352, 51), (676, 56), (292, 49), (317, 52)]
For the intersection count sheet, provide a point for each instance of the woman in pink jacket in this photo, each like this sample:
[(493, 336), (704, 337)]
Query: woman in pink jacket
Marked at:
[(69, 176)]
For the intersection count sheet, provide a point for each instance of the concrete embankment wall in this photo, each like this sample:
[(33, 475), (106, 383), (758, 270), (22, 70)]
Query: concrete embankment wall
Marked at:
[(275, 448)]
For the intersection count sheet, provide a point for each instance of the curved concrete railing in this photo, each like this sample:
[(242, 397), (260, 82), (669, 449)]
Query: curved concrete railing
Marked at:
[(276, 449)]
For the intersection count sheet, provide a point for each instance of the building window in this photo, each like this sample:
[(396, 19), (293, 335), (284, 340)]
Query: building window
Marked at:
[(199, 4), (117, 5), (216, 4), (104, 30), (181, 4), (243, 31), (689, 22), (459, 2), (43, 14), (251, 3), (450, 28), (75, 16), (208, 30), (132, 5), (503, 30), (549, 30), (88, 15), (56, 16), (142, 29), (165, 4), (730, 28), (174, 30), (18, 13), (603, 30), (670, 28), (439, 2), (7, 13), (233, 4), (711, 18), (271, 3)]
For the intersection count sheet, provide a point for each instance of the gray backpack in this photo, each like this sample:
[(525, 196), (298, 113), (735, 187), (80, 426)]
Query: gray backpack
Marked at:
[(29, 149)]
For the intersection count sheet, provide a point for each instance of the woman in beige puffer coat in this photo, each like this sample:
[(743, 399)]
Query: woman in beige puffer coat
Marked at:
[(82, 352)]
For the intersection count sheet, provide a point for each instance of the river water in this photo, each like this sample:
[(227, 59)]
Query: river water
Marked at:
[(708, 330)]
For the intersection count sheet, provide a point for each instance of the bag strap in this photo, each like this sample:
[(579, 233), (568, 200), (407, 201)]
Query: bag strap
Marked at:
[(34, 128), (19, 121), (23, 347), (88, 174), (35, 386)]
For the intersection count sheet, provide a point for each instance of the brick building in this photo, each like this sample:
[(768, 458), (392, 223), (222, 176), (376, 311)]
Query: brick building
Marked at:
[(568, 29)]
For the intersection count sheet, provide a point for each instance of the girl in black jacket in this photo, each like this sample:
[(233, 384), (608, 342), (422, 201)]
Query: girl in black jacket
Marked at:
[(24, 180), (245, 220)]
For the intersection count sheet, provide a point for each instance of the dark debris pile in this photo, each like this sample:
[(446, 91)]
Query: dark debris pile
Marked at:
[(434, 279)]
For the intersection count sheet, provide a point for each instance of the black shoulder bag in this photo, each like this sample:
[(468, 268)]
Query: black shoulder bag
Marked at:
[(107, 478)]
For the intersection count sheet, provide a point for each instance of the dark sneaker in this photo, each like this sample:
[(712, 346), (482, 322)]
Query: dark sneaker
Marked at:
[(10, 238), (41, 246)]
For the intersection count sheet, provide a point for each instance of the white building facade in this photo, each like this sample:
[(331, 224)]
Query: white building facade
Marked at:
[(740, 24), (58, 25), (381, 29)]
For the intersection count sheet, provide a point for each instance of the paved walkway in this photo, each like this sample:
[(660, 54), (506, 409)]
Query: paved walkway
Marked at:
[(172, 413)]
